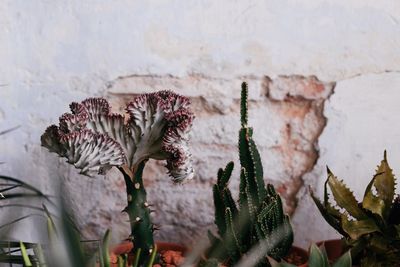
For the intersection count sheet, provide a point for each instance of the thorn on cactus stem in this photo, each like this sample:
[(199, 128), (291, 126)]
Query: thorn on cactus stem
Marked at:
[(137, 185), (138, 219), (129, 198), (145, 204)]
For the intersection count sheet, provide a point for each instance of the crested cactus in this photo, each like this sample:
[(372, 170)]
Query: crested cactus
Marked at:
[(371, 228), (259, 219), (93, 140)]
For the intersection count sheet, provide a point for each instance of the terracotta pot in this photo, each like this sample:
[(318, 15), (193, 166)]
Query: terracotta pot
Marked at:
[(333, 247), (297, 256), (126, 248)]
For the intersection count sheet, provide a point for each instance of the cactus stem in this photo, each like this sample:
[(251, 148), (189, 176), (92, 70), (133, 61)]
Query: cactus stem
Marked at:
[(139, 214)]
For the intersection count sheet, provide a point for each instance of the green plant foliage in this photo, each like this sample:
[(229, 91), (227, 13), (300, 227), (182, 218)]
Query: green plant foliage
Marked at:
[(370, 228), (258, 220), (318, 258)]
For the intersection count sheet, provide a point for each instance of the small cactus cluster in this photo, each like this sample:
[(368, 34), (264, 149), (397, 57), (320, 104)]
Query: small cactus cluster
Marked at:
[(259, 219), (371, 228), (93, 139)]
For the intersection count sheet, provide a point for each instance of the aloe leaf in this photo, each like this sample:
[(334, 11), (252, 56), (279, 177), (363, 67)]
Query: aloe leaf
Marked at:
[(355, 229), (344, 197), (344, 260), (372, 203), (331, 210), (25, 256), (329, 218), (385, 185), (317, 257)]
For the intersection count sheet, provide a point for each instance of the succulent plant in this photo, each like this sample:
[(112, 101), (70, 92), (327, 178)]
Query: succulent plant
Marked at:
[(319, 258), (93, 139), (369, 228), (259, 219)]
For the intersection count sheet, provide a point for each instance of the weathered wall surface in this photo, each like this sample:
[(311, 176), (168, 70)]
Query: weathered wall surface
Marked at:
[(323, 78)]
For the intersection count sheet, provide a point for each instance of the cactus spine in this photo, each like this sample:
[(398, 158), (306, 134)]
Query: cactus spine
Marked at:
[(259, 219)]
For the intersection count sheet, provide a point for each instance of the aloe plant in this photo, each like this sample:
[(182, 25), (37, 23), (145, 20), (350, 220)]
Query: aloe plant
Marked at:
[(258, 220), (93, 139), (370, 228), (318, 258)]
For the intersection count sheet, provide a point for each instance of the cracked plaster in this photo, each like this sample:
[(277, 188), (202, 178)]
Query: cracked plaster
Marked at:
[(292, 53)]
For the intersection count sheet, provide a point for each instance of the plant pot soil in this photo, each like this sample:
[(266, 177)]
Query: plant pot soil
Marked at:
[(297, 256), (171, 254)]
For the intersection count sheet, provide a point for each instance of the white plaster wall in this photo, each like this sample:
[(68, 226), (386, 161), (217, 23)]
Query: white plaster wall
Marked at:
[(54, 52)]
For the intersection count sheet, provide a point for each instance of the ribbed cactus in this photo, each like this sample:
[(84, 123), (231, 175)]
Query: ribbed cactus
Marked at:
[(371, 228), (259, 219)]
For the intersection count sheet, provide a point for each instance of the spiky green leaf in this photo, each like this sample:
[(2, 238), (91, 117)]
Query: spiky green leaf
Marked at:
[(371, 202), (344, 197), (355, 229), (330, 218), (384, 183)]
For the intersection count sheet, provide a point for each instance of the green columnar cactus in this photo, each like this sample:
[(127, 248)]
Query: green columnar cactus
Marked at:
[(93, 139), (371, 228), (259, 219)]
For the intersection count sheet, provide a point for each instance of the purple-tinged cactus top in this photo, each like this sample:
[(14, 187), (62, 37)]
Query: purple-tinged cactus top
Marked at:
[(93, 139)]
